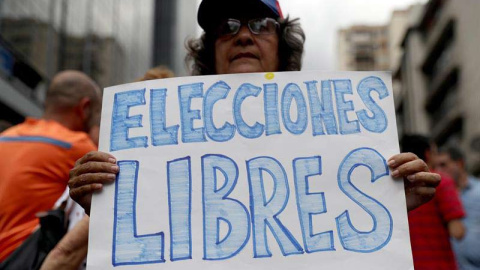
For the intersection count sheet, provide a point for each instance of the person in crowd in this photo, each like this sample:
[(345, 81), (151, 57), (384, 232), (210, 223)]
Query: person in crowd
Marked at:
[(245, 36), (71, 251), (37, 155), (158, 72), (467, 250), (432, 224)]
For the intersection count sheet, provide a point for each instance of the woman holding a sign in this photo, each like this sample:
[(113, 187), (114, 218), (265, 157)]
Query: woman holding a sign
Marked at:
[(247, 36), (241, 37)]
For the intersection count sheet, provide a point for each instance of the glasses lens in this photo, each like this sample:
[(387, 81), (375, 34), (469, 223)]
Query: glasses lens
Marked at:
[(229, 27), (263, 26)]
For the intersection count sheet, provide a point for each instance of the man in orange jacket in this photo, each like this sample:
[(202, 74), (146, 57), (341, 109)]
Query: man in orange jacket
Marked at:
[(37, 155)]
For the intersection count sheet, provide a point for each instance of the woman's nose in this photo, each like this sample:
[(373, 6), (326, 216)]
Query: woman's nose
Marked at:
[(244, 36)]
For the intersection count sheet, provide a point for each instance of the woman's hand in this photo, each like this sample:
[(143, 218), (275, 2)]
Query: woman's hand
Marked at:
[(90, 173), (420, 183)]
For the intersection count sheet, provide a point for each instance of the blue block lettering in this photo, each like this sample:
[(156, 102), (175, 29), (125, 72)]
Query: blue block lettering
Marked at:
[(218, 91), (244, 91), (291, 92), (217, 208), (129, 248), (321, 110), (270, 96), (343, 87), (309, 204), (185, 95), (161, 135), (379, 236), (180, 208), (121, 122), (378, 122), (265, 211)]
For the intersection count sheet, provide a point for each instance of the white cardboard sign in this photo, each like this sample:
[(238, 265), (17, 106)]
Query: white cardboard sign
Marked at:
[(282, 170)]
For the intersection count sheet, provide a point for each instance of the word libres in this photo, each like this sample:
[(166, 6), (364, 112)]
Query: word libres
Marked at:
[(324, 119), (251, 221)]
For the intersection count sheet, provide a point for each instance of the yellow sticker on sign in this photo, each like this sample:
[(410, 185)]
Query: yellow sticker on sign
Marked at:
[(269, 76)]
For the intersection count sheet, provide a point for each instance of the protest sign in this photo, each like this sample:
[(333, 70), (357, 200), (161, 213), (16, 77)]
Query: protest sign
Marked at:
[(251, 171)]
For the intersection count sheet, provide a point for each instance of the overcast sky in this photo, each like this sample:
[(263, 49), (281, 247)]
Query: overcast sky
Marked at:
[(321, 19)]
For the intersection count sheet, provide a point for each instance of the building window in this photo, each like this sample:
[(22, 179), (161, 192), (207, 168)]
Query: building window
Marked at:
[(449, 101), (452, 134), (443, 62), (432, 14), (440, 57)]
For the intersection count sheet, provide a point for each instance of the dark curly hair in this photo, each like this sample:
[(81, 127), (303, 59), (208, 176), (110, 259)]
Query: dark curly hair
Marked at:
[(201, 52)]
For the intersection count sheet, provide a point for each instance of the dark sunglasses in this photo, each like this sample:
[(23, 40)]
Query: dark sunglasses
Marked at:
[(263, 26)]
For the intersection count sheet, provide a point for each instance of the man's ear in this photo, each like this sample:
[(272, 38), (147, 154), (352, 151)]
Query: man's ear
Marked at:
[(85, 109)]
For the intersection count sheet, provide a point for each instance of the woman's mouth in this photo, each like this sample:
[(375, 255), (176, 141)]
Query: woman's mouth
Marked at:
[(244, 55)]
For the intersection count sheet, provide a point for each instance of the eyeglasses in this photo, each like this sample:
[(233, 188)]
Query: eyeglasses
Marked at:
[(263, 26)]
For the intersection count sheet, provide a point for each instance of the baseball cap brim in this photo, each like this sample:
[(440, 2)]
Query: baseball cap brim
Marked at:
[(211, 12)]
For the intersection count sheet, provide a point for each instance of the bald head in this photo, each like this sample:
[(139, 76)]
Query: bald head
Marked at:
[(68, 90)]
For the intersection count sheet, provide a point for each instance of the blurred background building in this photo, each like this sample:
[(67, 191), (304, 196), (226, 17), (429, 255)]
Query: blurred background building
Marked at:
[(113, 41), (440, 76), (362, 47), (432, 51)]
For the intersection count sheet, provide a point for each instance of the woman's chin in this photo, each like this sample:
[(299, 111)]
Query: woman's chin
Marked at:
[(245, 68)]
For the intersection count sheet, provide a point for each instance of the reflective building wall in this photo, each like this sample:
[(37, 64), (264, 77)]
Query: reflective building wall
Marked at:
[(69, 33), (111, 40)]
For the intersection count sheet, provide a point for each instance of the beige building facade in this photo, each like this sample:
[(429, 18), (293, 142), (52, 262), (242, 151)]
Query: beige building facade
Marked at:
[(433, 53), (411, 93), (363, 48)]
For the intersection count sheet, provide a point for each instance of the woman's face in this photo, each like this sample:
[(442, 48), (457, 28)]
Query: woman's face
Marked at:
[(246, 52)]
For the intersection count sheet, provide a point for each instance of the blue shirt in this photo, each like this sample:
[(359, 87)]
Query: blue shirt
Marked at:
[(467, 250)]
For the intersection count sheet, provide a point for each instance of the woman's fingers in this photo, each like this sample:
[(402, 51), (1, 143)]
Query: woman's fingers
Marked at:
[(409, 168), (425, 192), (96, 156), (400, 159), (91, 178), (420, 183), (94, 167), (418, 195), (90, 173), (82, 191), (425, 179), (83, 195)]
